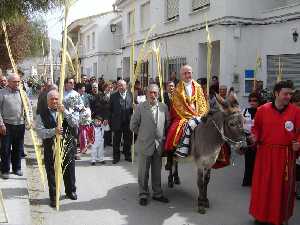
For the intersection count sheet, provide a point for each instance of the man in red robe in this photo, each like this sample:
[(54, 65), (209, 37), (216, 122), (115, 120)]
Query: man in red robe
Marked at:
[(276, 132), (188, 106)]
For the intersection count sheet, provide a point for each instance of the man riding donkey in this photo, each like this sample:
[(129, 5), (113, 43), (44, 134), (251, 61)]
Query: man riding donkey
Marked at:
[(188, 105)]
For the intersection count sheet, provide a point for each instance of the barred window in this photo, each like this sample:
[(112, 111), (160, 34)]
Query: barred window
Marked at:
[(172, 9), (199, 4)]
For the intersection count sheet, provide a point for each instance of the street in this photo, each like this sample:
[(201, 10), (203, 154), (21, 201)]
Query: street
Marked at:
[(107, 195)]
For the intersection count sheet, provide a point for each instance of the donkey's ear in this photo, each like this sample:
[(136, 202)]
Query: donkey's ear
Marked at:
[(222, 102), (232, 100)]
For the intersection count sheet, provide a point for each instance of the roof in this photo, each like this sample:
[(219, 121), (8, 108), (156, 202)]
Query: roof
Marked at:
[(82, 21)]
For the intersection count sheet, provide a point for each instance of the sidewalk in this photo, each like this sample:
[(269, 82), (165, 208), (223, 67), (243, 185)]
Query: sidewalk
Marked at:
[(16, 199)]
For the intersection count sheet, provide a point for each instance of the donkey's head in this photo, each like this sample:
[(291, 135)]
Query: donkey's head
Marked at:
[(232, 132)]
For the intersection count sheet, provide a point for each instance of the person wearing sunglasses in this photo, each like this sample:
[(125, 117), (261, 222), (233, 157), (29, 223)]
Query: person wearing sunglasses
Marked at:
[(249, 152)]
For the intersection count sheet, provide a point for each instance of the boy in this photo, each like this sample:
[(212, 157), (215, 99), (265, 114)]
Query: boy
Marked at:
[(98, 128)]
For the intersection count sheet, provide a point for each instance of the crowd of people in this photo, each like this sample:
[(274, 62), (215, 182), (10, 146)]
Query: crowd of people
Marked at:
[(104, 113)]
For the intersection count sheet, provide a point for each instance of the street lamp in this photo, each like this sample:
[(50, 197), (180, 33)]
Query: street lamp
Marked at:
[(295, 35), (113, 28)]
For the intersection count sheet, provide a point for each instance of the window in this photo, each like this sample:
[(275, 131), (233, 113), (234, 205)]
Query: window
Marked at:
[(145, 16), (88, 42), (95, 72), (172, 9), (93, 40), (249, 81), (199, 4), (131, 22)]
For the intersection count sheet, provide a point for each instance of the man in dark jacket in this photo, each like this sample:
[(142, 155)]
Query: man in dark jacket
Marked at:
[(47, 128), (120, 114)]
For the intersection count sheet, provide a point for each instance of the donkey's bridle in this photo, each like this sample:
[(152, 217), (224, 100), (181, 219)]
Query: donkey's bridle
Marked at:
[(226, 139)]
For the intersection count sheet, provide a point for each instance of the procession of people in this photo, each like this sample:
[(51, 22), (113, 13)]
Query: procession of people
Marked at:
[(97, 114)]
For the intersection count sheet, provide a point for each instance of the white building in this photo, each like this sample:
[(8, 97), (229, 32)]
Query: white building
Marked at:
[(242, 31), (99, 44), (40, 66)]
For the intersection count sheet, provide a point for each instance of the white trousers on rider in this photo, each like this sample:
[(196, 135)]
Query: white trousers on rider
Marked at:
[(184, 145)]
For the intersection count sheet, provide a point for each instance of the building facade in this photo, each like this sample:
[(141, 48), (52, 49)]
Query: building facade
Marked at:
[(249, 37), (99, 45)]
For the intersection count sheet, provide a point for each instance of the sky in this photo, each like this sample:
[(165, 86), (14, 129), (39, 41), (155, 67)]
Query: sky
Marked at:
[(81, 8)]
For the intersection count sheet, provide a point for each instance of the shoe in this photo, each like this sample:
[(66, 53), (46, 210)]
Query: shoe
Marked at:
[(23, 156), (161, 199), (77, 157), (128, 159), (18, 173), (52, 204), (93, 164), (72, 196), (115, 161), (5, 176), (143, 202), (103, 162)]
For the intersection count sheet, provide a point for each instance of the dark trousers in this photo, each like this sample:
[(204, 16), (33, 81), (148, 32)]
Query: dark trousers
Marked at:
[(107, 138), (68, 176), (250, 154), (127, 140), (11, 146)]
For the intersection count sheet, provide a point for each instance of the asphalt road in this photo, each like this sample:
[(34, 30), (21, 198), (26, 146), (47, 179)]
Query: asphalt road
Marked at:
[(107, 195)]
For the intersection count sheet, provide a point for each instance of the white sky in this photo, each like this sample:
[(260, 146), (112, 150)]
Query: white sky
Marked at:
[(81, 8)]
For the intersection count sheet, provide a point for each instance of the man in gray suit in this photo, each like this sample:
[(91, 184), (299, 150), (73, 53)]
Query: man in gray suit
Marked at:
[(149, 122)]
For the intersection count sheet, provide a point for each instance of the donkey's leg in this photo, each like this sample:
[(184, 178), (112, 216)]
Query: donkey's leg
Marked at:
[(175, 174), (170, 177), (202, 187), (206, 181)]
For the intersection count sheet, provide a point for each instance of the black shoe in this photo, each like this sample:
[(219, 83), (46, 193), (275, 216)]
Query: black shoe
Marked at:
[(52, 204), (177, 180), (143, 201), (72, 196), (23, 156), (128, 159), (161, 199), (93, 163), (103, 162), (18, 173), (115, 161)]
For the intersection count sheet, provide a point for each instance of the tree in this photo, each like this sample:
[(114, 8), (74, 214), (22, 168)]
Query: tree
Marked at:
[(19, 42), (25, 39), (13, 9)]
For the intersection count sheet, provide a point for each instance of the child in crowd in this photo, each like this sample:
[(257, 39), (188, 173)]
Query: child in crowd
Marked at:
[(85, 120), (98, 128)]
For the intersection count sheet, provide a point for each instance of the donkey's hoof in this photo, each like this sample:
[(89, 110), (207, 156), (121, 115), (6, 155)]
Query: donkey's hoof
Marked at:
[(201, 210), (170, 184), (177, 180)]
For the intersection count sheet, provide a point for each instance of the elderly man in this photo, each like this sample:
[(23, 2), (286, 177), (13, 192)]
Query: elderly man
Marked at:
[(3, 82), (149, 122), (47, 129), (12, 127), (188, 106), (120, 114)]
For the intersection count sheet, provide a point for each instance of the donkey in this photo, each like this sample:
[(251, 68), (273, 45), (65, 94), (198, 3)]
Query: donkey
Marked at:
[(225, 125)]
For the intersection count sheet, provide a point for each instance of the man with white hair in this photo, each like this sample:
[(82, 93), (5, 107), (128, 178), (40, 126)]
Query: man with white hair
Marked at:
[(47, 128), (120, 114), (12, 127), (149, 122)]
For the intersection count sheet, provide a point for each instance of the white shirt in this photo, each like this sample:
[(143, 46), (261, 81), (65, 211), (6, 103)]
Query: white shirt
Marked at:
[(123, 95), (188, 89)]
